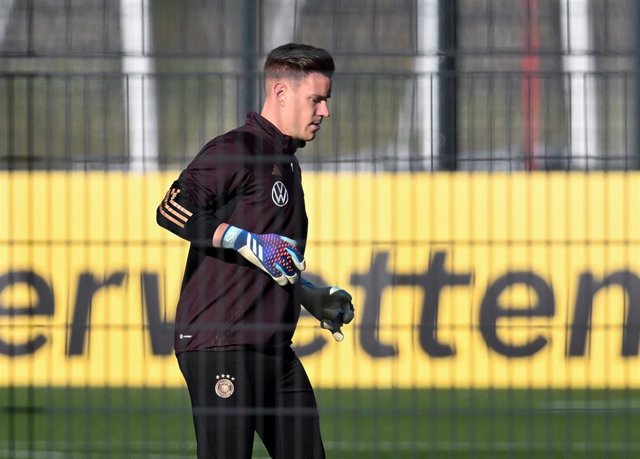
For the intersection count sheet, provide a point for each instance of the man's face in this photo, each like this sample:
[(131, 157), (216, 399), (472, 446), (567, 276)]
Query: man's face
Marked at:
[(306, 106)]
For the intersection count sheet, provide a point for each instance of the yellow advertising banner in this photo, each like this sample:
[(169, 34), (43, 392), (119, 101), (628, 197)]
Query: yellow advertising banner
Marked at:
[(459, 280)]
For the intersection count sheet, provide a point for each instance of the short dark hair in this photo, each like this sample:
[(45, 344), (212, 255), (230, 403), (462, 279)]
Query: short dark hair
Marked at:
[(294, 60)]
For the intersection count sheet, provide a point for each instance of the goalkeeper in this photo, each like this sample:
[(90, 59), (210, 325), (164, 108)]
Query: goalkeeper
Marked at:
[(241, 206)]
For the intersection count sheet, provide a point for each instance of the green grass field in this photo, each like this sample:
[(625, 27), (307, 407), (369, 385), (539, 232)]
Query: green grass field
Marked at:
[(156, 423)]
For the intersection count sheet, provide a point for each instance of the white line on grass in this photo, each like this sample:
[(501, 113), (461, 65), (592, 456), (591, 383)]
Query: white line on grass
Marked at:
[(73, 450), (482, 446), (613, 406), (31, 454)]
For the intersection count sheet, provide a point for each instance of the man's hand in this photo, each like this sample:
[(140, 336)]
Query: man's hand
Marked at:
[(274, 254), (330, 305)]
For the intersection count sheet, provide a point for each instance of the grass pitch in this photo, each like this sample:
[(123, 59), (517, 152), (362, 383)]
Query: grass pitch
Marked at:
[(419, 423)]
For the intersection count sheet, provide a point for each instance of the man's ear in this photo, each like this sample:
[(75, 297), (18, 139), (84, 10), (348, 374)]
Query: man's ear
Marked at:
[(280, 92)]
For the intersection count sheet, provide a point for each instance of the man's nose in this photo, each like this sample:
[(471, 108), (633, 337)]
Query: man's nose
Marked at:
[(323, 110)]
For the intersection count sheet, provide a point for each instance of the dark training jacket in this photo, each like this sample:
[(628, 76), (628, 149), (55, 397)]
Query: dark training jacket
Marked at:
[(249, 178)]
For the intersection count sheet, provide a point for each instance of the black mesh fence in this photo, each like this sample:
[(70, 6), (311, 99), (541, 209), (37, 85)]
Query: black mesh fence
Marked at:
[(473, 189)]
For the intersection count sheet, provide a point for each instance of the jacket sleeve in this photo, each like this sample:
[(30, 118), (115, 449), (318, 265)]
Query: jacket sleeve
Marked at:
[(185, 218), (202, 197)]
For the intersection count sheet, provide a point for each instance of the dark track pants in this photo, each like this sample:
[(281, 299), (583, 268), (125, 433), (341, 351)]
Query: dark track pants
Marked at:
[(236, 393)]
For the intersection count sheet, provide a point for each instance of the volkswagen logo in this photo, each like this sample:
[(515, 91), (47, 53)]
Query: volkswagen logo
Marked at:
[(279, 194)]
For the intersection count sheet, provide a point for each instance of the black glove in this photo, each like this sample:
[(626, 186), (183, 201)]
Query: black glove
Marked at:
[(330, 305)]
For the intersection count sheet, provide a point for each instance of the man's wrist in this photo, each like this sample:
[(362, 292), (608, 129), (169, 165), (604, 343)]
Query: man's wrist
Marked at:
[(230, 237), (305, 283), (216, 240)]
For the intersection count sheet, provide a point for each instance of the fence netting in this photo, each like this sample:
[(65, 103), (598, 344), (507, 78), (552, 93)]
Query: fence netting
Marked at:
[(474, 189)]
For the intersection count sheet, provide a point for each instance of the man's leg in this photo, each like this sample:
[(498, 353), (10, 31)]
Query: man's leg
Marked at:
[(221, 401), (293, 430)]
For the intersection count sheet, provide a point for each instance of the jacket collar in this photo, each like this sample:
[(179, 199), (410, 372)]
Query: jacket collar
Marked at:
[(288, 144)]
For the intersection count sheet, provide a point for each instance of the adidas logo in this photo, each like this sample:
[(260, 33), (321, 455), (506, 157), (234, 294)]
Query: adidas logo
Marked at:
[(275, 171)]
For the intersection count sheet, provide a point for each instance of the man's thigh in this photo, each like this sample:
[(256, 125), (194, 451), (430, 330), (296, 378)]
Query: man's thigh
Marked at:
[(292, 428), (222, 402)]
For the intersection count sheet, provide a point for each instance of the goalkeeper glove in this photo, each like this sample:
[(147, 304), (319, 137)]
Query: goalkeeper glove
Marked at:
[(274, 254), (330, 305)]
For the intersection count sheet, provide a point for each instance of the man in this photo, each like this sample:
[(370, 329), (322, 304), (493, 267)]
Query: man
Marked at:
[(241, 205)]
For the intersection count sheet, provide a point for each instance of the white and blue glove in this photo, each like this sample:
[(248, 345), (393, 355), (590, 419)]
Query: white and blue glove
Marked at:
[(330, 305), (274, 254)]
